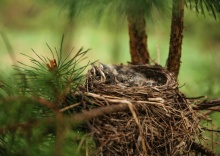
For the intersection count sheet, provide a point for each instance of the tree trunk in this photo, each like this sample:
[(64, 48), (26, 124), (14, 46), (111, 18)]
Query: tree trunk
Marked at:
[(138, 38), (173, 62)]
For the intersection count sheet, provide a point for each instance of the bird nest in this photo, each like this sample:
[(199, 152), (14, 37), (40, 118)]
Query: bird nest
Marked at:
[(154, 118)]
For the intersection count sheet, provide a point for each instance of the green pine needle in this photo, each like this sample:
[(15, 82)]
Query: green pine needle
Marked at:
[(48, 80), (211, 6), (49, 77)]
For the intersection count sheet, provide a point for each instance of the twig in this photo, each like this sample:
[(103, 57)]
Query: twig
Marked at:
[(201, 149), (26, 126), (121, 100), (210, 130), (96, 112), (207, 104), (46, 103), (77, 118), (193, 98), (131, 107), (211, 110), (39, 100), (110, 100), (69, 107)]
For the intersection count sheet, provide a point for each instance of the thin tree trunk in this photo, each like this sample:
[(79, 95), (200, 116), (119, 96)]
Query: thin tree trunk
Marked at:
[(173, 62), (138, 38)]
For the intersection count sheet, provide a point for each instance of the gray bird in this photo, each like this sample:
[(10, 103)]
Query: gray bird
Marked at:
[(125, 75)]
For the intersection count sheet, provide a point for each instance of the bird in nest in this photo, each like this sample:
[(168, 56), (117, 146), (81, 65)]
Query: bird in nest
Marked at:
[(122, 75)]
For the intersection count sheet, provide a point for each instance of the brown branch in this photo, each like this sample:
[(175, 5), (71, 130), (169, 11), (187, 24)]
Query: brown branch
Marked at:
[(46, 103), (25, 126), (69, 107), (201, 149), (60, 134), (210, 130), (96, 112), (39, 100), (195, 98), (211, 110), (205, 105), (77, 118)]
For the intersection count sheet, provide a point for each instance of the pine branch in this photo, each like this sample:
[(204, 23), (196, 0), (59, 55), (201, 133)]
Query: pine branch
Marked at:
[(204, 6), (49, 80), (39, 100)]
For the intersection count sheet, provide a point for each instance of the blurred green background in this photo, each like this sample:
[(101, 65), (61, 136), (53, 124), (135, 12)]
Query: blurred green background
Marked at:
[(30, 24)]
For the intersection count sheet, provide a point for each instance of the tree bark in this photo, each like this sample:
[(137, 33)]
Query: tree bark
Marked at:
[(138, 38), (173, 61)]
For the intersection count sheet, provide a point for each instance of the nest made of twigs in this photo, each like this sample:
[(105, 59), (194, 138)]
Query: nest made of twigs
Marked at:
[(157, 119)]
